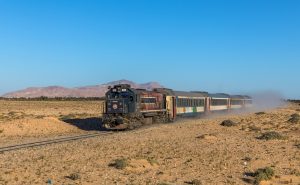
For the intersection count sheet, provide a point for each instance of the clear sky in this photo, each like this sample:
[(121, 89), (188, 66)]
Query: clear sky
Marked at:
[(213, 45)]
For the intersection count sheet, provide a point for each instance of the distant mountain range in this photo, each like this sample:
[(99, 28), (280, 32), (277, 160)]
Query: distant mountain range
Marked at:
[(86, 91)]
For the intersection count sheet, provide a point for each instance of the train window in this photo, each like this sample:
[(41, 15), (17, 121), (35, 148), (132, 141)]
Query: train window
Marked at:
[(200, 102), (217, 102), (178, 102), (186, 102), (248, 101), (236, 102), (183, 102), (131, 98), (148, 100)]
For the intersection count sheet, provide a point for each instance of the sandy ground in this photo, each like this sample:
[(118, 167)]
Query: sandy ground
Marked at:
[(190, 151), (25, 120)]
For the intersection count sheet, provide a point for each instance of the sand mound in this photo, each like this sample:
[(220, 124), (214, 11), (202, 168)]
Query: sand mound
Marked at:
[(35, 127)]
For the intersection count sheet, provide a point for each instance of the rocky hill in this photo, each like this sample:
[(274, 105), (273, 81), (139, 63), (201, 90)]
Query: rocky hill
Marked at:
[(86, 91)]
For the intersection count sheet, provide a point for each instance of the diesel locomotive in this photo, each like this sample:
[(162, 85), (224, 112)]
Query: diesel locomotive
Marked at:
[(128, 108)]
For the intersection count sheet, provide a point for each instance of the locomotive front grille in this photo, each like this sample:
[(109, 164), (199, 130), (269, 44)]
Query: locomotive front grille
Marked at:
[(115, 106)]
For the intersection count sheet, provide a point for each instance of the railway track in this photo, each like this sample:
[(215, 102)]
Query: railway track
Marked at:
[(50, 141), (65, 139)]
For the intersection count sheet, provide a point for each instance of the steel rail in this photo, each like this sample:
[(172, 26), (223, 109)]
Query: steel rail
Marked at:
[(51, 141)]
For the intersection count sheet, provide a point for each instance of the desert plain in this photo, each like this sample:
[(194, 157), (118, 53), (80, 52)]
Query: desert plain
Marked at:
[(188, 151)]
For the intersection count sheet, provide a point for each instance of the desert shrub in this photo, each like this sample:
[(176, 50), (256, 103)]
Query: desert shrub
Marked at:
[(228, 123), (1, 131), (248, 159), (297, 145), (295, 115), (152, 161), (119, 164), (295, 172), (298, 110), (195, 182), (254, 128), (263, 174), (39, 117), (271, 136), (73, 176), (295, 118), (260, 113)]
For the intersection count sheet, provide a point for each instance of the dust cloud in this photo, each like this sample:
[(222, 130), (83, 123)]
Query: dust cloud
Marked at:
[(267, 100)]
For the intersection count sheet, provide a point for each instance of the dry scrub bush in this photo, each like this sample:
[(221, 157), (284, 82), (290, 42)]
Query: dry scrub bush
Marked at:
[(74, 176), (295, 118), (271, 136), (263, 174), (260, 113), (228, 123), (195, 182), (119, 164)]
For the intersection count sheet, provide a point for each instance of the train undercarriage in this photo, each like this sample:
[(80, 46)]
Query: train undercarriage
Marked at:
[(133, 120)]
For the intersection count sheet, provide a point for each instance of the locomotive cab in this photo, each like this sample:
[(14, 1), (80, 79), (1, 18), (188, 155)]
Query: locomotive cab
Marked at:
[(129, 108), (120, 100)]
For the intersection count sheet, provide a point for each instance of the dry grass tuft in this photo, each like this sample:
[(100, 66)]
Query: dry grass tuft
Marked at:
[(260, 113), (263, 174), (228, 123), (119, 164), (271, 136), (152, 161), (74, 176), (296, 115), (254, 128), (297, 145), (195, 182), (295, 118)]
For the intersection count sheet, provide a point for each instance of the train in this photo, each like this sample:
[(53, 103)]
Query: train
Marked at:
[(129, 108)]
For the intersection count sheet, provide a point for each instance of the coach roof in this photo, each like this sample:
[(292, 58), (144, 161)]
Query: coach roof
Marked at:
[(219, 95), (190, 94)]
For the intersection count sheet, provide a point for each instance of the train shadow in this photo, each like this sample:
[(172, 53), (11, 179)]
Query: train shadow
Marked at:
[(87, 124)]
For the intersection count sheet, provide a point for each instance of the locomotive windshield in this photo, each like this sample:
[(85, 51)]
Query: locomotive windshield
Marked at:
[(120, 94), (117, 95)]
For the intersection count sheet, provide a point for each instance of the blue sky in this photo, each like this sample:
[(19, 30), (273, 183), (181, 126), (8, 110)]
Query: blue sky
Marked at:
[(217, 46)]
